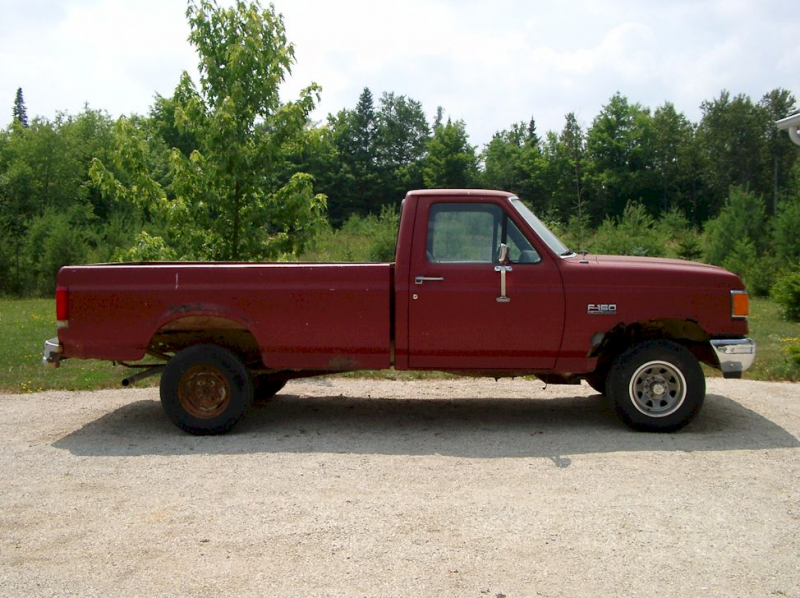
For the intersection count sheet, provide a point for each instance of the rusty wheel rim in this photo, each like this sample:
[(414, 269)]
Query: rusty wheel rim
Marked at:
[(204, 391)]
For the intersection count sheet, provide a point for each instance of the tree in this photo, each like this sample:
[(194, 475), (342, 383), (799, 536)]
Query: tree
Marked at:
[(513, 162), (564, 172), (354, 134), (451, 161), (737, 240), (781, 153), (620, 149), (672, 139), (731, 135), (19, 112), (225, 199), (401, 140)]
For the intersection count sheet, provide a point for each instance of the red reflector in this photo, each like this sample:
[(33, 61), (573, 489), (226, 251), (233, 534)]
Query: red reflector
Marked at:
[(62, 304)]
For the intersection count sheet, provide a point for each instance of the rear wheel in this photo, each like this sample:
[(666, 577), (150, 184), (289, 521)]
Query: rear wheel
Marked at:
[(656, 386), (205, 389)]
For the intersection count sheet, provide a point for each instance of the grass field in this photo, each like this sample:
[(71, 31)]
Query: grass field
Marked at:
[(26, 323)]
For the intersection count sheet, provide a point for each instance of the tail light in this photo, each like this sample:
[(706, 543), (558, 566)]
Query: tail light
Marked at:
[(62, 307), (740, 304)]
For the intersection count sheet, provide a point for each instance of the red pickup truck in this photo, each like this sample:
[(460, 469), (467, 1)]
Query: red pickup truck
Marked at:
[(479, 287)]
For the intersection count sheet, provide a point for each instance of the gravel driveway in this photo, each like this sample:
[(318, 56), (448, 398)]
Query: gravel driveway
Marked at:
[(339, 487)]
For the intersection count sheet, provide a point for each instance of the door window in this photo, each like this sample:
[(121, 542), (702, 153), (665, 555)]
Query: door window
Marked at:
[(470, 233)]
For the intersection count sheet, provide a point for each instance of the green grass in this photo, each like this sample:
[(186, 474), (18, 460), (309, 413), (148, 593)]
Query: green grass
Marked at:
[(773, 335), (26, 323)]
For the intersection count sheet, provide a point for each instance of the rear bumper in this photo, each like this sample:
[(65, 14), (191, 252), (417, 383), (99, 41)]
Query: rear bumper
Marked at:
[(52, 353), (735, 355)]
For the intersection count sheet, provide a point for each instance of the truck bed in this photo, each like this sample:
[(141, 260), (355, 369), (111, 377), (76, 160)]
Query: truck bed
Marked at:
[(330, 317)]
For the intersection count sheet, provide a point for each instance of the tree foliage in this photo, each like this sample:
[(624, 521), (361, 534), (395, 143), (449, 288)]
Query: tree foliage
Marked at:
[(223, 200)]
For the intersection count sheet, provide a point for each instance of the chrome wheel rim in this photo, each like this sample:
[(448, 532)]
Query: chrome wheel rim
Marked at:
[(657, 389)]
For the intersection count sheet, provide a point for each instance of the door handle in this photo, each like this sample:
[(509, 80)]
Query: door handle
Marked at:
[(421, 279), (503, 298)]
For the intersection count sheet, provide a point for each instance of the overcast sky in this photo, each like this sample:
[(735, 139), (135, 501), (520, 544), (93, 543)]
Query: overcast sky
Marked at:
[(491, 63)]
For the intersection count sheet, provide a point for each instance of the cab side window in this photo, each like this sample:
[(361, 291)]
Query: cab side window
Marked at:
[(463, 233), (471, 233)]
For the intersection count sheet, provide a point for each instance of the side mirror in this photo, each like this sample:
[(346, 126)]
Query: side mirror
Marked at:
[(503, 254)]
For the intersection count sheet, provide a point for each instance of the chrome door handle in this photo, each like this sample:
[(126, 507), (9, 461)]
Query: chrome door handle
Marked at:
[(421, 279)]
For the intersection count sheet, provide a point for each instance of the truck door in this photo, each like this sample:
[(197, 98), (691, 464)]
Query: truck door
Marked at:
[(467, 309)]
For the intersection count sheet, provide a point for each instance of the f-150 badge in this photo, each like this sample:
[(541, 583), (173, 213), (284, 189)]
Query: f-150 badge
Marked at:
[(601, 309)]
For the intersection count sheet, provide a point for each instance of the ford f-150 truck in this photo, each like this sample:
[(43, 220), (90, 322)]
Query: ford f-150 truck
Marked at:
[(479, 286)]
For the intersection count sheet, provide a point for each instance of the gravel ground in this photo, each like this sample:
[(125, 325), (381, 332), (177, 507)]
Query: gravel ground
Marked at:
[(340, 487)]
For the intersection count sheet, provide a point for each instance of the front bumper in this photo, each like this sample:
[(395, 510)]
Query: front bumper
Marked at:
[(735, 355), (52, 353)]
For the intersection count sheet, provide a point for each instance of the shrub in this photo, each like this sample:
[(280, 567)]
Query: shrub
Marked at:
[(786, 227), (360, 239), (635, 233), (757, 271), (786, 292), (742, 218), (53, 241)]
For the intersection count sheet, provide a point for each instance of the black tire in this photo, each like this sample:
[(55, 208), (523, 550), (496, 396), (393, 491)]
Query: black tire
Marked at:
[(656, 386), (266, 387), (206, 389)]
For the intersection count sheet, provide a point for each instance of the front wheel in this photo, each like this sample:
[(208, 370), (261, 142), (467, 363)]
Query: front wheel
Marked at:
[(206, 389), (656, 386)]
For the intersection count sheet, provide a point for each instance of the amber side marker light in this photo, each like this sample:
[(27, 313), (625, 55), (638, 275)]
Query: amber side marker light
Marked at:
[(740, 304)]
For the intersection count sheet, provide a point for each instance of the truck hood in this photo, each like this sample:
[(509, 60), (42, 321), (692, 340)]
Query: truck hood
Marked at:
[(652, 272)]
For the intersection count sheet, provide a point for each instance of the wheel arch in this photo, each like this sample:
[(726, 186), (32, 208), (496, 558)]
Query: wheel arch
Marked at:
[(687, 333), (187, 330)]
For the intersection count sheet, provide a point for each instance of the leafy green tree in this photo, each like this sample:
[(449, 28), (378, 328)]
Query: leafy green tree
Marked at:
[(56, 239), (44, 167), (731, 135), (225, 200), (513, 162), (19, 113), (451, 161), (619, 144)]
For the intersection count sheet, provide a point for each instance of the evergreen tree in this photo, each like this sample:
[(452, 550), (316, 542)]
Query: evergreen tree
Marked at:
[(401, 140), (20, 113)]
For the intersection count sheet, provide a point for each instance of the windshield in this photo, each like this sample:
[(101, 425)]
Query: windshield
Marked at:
[(545, 234)]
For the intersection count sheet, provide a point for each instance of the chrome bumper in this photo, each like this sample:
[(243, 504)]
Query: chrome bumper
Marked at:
[(735, 355), (52, 353)]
